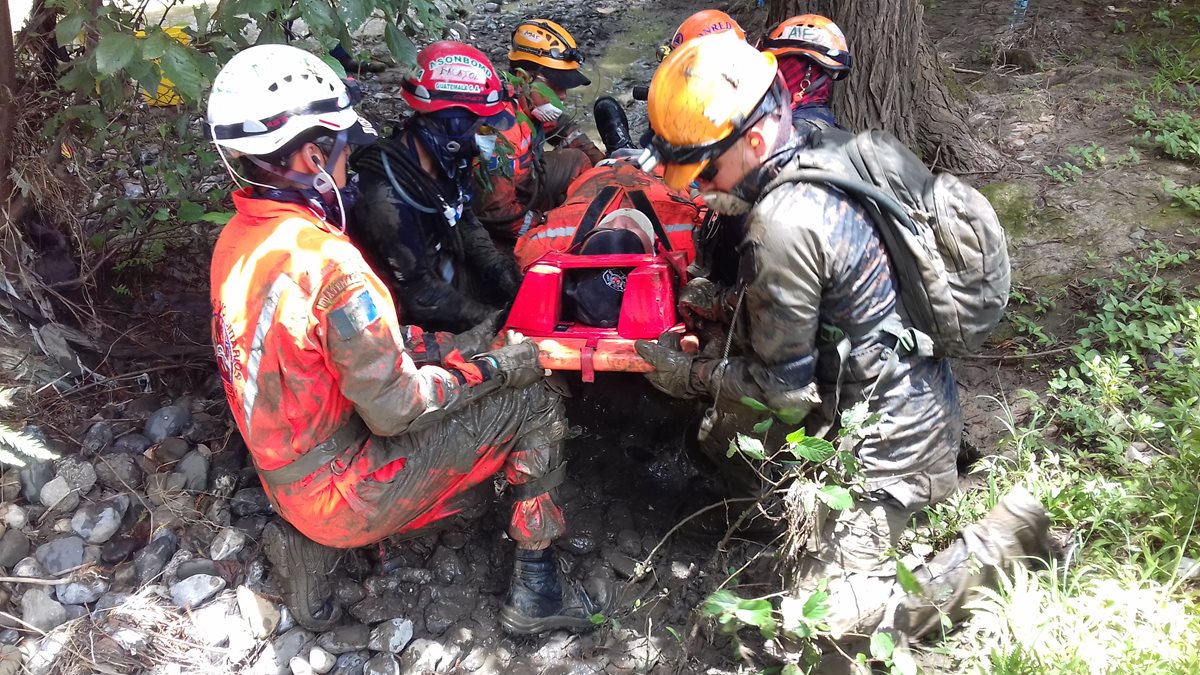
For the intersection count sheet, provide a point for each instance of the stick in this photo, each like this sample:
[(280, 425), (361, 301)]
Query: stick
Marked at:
[(1017, 357), (968, 71), (34, 581), (644, 565)]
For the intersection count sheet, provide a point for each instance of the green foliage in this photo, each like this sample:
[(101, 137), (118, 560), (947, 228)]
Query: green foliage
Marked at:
[(1176, 135)]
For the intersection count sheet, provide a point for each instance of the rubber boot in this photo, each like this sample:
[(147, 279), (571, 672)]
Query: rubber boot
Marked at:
[(1016, 530), (302, 568), (612, 124), (543, 599)]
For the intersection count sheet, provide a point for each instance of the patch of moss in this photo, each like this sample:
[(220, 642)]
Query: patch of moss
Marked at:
[(1014, 205)]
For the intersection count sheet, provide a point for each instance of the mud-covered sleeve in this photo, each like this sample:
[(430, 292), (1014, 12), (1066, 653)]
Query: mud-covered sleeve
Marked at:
[(356, 322), (497, 269), (568, 134), (785, 265)]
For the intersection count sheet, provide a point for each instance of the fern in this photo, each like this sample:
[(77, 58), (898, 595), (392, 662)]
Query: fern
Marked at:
[(17, 448)]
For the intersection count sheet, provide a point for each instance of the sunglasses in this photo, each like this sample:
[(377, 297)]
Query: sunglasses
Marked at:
[(709, 172)]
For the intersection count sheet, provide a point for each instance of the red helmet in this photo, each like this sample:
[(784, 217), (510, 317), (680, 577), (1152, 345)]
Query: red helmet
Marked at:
[(454, 75)]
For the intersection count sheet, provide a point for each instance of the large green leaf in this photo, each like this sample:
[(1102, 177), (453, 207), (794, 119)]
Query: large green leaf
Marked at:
[(354, 13), (815, 450), (189, 212), (400, 45), (836, 497), (69, 26), (319, 16), (182, 68), (908, 580), (882, 646), (155, 44), (114, 52)]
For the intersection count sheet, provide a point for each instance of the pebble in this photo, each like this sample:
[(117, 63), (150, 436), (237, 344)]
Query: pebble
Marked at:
[(382, 664), (447, 565), (194, 468), (119, 473), (10, 636), (587, 528), (10, 485), (33, 478), (321, 661), (117, 550), (60, 555), (349, 638), (29, 567), (427, 656), (445, 612), (629, 542), (171, 450), (150, 560), (190, 568), (227, 544), (346, 592), (351, 663), (261, 614), (374, 610), (58, 494), (14, 545), (110, 601), (391, 636), (97, 522), (168, 421), (195, 591), (250, 502), (41, 611), (98, 437), (83, 592), (491, 7), (136, 444), (300, 666), (291, 644), (620, 563), (15, 517), (213, 623), (80, 474), (162, 488)]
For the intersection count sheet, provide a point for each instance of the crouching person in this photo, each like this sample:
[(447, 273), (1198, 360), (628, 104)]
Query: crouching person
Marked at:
[(353, 442), (813, 263)]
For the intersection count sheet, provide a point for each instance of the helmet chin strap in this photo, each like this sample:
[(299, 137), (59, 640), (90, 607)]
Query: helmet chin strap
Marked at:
[(322, 181)]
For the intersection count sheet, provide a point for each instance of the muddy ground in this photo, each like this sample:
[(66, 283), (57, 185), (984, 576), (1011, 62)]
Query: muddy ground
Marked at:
[(628, 488)]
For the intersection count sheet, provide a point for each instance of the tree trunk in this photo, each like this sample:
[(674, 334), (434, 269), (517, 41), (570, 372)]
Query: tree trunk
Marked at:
[(897, 80), (8, 107)]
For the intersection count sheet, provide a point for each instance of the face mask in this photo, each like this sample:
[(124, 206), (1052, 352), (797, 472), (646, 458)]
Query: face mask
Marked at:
[(726, 203), (451, 140), (486, 145)]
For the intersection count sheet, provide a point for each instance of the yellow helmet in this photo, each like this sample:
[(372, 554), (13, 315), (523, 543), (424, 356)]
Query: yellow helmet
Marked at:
[(705, 95), (548, 46)]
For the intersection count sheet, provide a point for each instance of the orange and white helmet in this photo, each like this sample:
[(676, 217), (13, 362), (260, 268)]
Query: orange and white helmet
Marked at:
[(813, 37), (704, 22), (546, 46)]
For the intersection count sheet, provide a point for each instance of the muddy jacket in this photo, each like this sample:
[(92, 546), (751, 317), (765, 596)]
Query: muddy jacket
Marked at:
[(814, 270), (306, 337), (442, 267)]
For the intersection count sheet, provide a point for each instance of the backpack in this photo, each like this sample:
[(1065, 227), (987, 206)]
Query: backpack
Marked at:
[(946, 245)]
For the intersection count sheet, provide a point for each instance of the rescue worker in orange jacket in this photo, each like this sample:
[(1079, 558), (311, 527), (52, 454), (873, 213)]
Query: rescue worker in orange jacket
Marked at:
[(519, 180), (353, 441)]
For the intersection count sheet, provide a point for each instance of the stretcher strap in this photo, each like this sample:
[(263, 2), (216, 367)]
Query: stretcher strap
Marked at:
[(540, 486), (642, 203), (594, 212)]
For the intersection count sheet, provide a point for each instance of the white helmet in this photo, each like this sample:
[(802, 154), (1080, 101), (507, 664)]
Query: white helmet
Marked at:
[(268, 95)]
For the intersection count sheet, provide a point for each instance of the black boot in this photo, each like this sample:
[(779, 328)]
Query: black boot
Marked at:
[(542, 599), (302, 568), (612, 124)]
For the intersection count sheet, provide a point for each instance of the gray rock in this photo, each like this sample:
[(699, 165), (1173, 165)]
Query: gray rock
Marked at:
[(83, 592), (29, 567), (212, 623), (382, 664), (80, 474), (97, 522), (630, 542), (15, 517), (194, 468), (195, 591), (261, 614), (190, 568), (117, 550), (346, 592), (587, 530), (300, 666), (228, 543), (59, 495), (98, 437), (33, 477), (135, 444), (60, 555), (447, 565), (171, 569), (250, 502), (620, 563), (163, 488), (351, 663), (286, 620), (110, 601), (374, 610), (391, 636), (491, 7), (171, 450), (10, 485), (424, 656), (119, 473), (168, 421), (283, 649), (41, 611), (349, 638), (321, 661), (14, 545), (151, 560), (131, 640), (10, 636)]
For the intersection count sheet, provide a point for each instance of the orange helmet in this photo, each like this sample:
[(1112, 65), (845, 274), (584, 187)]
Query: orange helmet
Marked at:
[(705, 95), (704, 22), (813, 37), (548, 47)]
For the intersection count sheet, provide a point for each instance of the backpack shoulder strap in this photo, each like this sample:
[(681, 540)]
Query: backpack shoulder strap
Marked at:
[(594, 212), (642, 203), (877, 201)]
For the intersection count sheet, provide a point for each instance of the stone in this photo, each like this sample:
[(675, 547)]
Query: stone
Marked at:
[(195, 591), (620, 563), (282, 650), (374, 610), (321, 661), (10, 485), (211, 624), (227, 544), (29, 567), (391, 636), (97, 522), (343, 639), (135, 444), (587, 530), (346, 592), (300, 666), (168, 421), (58, 495), (60, 555), (491, 7), (110, 601), (382, 664), (10, 636), (629, 542), (447, 566), (98, 437), (82, 592), (131, 640), (194, 468), (150, 560), (260, 614), (117, 550), (194, 566), (80, 474), (33, 478), (351, 663), (171, 450), (447, 610), (250, 502), (14, 545), (286, 620), (164, 488), (15, 517), (171, 569), (425, 656), (41, 611), (119, 473)]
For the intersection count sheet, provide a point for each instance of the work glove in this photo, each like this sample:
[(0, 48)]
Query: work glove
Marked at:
[(516, 363), (673, 367), (547, 112), (702, 300), (478, 339)]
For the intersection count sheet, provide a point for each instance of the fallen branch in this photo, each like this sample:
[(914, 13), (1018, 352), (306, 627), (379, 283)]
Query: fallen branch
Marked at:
[(644, 566), (1018, 357)]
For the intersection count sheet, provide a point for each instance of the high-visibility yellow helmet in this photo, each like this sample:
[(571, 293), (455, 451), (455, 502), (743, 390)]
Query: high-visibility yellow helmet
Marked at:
[(548, 46), (705, 95)]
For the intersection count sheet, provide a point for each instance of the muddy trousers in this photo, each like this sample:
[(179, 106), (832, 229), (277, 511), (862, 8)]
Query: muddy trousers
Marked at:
[(851, 549), (517, 431), (512, 208)]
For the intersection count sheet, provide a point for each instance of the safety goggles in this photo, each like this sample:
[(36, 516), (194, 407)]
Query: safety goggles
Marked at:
[(556, 53), (842, 58), (250, 128)]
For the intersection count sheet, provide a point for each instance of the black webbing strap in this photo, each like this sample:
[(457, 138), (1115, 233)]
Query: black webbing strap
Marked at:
[(540, 486), (329, 453), (642, 203), (594, 212)]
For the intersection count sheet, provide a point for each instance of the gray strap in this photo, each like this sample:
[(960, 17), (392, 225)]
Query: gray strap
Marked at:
[(329, 453), (540, 486)]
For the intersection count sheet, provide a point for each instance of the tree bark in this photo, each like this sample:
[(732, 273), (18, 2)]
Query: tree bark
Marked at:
[(897, 82)]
